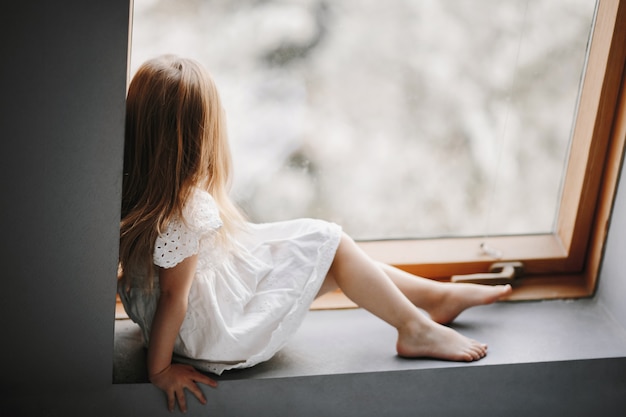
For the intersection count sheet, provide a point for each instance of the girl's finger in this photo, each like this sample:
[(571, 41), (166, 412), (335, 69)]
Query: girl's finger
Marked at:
[(200, 377), (180, 396), (171, 400), (205, 380), (195, 390)]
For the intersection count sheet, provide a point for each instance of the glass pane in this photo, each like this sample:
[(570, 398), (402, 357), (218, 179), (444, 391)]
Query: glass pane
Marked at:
[(403, 119)]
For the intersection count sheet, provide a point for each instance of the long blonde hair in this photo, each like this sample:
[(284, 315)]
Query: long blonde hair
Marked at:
[(175, 140)]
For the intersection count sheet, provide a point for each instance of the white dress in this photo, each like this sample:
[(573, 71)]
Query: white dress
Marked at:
[(243, 304)]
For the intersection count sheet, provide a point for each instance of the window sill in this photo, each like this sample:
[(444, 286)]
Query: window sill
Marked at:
[(334, 342)]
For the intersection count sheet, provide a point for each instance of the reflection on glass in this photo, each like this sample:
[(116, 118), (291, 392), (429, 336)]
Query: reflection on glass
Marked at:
[(403, 119)]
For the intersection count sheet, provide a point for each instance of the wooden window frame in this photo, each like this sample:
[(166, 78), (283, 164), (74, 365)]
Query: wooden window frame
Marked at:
[(565, 263)]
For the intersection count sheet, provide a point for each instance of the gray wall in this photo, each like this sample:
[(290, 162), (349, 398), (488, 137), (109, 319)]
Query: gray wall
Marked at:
[(63, 89), (63, 85)]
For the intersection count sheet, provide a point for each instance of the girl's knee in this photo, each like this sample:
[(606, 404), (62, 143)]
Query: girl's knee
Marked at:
[(346, 244), (347, 256)]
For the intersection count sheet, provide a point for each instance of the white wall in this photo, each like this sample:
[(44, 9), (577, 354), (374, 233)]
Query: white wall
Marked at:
[(612, 284)]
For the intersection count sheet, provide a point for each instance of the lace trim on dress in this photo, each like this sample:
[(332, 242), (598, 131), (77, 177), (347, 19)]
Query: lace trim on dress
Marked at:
[(176, 243), (181, 239)]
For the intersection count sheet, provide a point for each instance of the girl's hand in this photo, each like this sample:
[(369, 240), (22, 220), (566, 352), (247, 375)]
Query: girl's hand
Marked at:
[(175, 378)]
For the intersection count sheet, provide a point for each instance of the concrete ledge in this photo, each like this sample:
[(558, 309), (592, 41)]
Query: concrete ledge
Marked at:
[(335, 342)]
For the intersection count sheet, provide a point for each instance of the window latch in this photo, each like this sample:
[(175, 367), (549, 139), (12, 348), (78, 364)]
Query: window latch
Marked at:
[(499, 273)]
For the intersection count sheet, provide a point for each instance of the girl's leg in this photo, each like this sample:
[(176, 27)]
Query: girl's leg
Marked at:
[(365, 283), (443, 301)]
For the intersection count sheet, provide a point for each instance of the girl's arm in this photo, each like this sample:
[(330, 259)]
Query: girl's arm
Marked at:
[(171, 309)]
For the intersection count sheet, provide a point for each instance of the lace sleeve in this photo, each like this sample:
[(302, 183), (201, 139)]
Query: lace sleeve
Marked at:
[(181, 239), (176, 243)]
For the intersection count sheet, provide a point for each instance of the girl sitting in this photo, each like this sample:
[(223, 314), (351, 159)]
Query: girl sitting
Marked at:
[(221, 293)]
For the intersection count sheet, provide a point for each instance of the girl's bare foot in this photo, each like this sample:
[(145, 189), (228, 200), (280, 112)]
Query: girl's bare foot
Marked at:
[(430, 339), (458, 297)]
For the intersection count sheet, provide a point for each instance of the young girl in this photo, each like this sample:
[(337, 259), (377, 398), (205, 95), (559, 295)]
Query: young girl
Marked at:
[(209, 289)]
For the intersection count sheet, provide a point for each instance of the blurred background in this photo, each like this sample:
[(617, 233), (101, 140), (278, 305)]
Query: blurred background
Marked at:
[(401, 119)]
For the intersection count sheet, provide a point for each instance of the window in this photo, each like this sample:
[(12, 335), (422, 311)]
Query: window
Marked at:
[(560, 252)]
